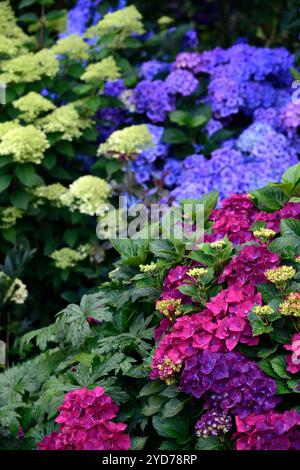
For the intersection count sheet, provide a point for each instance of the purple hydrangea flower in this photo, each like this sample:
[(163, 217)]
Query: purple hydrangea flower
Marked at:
[(182, 82), (229, 382)]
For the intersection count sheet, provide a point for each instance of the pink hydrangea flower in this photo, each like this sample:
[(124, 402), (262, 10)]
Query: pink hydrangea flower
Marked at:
[(220, 327), (234, 219), (173, 280), (291, 210), (85, 423), (268, 431), (249, 266), (293, 360)]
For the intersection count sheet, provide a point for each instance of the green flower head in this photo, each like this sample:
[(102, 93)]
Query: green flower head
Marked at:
[(86, 194), (51, 193), (9, 217), (24, 144), (123, 23), (65, 120), (32, 105), (66, 258), (73, 47), (106, 69), (127, 142), (29, 67), (9, 28)]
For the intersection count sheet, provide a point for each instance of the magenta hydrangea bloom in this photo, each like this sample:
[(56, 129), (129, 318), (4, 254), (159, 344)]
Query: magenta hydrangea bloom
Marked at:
[(291, 210), (249, 266), (220, 327), (269, 431), (85, 423), (293, 360), (229, 382), (234, 219), (173, 280)]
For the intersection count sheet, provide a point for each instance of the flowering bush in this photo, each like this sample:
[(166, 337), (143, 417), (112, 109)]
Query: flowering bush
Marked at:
[(201, 345)]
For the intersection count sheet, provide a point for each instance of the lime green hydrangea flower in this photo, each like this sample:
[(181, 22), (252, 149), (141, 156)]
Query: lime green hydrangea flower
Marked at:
[(148, 268), (197, 273), (65, 120), (33, 105), (9, 27), (279, 276), (264, 234), (165, 21), (87, 194), (66, 258), (169, 307), (9, 217), (19, 292), (29, 67), (7, 126), (73, 47), (122, 23), (218, 245), (51, 193), (24, 144), (106, 69), (8, 46), (291, 305), (263, 310), (127, 142)]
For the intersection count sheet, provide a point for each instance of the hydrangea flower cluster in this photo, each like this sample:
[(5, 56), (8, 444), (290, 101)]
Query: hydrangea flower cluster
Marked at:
[(85, 423), (269, 431), (213, 423), (86, 194), (228, 382), (293, 360), (67, 258), (223, 323)]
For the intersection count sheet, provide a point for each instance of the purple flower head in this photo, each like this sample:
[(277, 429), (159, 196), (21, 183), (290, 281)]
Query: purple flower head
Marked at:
[(228, 382), (182, 82), (213, 423), (268, 431)]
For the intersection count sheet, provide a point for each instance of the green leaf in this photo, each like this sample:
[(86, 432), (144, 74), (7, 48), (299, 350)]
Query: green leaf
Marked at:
[(154, 405), (27, 175), (20, 199), (9, 235), (4, 161), (71, 236), (152, 388), (5, 181), (258, 325), (270, 198), (208, 443), (290, 227), (65, 148), (292, 174), (278, 364), (138, 442), (172, 408), (26, 3), (174, 136), (176, 428), (182, 118), (268, 292)]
